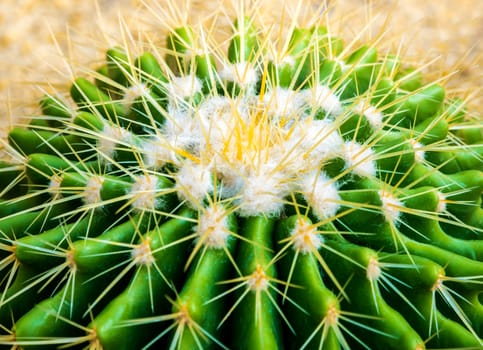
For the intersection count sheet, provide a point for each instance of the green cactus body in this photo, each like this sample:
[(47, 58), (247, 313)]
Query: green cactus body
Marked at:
[(304, 196)]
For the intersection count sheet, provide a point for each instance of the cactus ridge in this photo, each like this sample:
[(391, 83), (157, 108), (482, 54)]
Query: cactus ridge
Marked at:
[(255, 195)]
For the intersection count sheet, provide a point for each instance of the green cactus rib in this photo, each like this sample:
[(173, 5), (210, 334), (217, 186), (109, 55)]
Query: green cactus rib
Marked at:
[(297, 196)]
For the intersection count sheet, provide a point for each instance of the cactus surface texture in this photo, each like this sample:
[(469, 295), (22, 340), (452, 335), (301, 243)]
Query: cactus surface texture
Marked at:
[(252, 193)]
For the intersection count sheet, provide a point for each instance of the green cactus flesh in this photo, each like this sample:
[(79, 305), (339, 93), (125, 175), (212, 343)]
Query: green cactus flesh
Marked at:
[(191, 199)]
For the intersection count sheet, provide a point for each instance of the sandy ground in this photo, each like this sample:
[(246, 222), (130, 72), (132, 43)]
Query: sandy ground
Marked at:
[(42, 42)]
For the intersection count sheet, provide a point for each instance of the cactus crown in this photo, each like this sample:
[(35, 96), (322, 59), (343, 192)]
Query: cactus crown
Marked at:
[(287, 194)]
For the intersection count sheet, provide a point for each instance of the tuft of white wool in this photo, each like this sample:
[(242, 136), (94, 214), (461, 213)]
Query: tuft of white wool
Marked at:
[(181, 88), (113, 136), (280, 61), (212, 227), (232, 177), (144, 192), (133, 92), (321, 193), (288, 159), (283, 104), (213, 107), (373, 116), (157, 152), (312, 142), (289, 59), (321, 96), (322, 141), (218, 117), (246, 105), (418, 148), (258, 281), (92, 191), (441, 207), (262, 193), (305, 237), (193, 183), (142, 253), (344, 66), (374, 270), (54, 185), (359, 158), (181, 130), (241, 73), (390, 206)]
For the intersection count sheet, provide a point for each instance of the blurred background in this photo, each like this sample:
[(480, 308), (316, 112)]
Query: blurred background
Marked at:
[(41, 40)]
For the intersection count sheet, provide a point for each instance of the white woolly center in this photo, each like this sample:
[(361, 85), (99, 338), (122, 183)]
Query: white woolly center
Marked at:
[(92, 191), (241, 73), (359, 159), (321, 194), (193, 183), (213, 227), (144, 192), (217, 118), (390, 205), (305, 237)]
